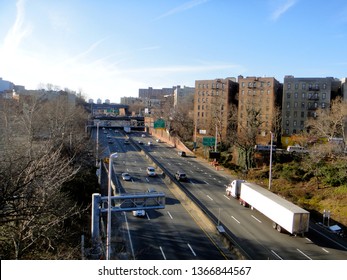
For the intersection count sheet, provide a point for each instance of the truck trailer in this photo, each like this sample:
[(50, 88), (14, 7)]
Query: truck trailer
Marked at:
[(285, 215)]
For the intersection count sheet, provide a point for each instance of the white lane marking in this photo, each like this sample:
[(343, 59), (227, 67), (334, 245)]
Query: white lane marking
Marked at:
[(325, 250), (191, 249), (309, 240), (209, 197), (277, 255), (206, 182), (235, 219), (147, 180), (148, 218), (162, 252), (303, 254), (227, 197), (129, 235), (256, 219), (169, 215)]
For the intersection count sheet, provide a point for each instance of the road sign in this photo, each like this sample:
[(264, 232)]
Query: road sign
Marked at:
[(208, 141), (160, 123)]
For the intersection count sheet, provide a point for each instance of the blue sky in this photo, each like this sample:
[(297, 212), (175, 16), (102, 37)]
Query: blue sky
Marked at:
[(111, 48)]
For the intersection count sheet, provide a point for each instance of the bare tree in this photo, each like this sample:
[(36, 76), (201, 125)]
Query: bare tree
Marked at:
[(245, 141), (329, 122), (33, 170)]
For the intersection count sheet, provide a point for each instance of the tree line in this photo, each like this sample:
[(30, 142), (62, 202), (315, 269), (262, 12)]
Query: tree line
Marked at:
[(46, 178)]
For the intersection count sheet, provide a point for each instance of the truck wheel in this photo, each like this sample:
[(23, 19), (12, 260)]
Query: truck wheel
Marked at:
[(274, 225), (279, 229)]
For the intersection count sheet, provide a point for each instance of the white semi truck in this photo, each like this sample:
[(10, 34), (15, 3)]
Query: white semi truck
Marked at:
[(285, 215)]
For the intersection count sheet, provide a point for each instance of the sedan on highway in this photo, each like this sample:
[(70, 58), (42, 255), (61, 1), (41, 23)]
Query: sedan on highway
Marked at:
[(151, 171), (126, 176), (139, 213)]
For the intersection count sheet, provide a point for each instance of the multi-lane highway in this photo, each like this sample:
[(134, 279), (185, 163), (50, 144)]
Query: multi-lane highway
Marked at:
[(169, 233), (251, 230)]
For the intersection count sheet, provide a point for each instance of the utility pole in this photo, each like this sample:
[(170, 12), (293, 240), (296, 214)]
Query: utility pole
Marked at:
[(270, 168)]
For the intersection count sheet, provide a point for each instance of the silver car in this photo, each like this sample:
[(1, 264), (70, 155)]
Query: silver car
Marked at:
[(126, 176)]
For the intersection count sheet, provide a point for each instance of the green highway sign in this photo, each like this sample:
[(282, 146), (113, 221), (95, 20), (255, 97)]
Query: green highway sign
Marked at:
[(160, 123), (208, 141)]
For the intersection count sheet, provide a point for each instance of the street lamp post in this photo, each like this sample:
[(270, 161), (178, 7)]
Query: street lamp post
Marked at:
[(97, 144), (270, 169), (108, 237)]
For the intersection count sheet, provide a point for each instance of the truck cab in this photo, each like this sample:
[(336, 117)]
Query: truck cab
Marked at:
[(233, 189)]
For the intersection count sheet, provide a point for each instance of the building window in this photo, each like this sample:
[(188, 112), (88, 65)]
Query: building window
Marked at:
[(302, 105), (243, 84), (303, 86), (287, 131), (288, 104), (303, 95), (294, 123), (287, 122), (323, 105), (324, 95), (242, 92), (324, 86), (198, 107), (288, 95), (295, 114), (295, 104), (296, 95), (289, 85), (296, 86), (302, 114)]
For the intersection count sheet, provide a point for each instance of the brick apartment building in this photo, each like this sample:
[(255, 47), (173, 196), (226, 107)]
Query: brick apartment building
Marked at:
[(212, 103), (262, 95)]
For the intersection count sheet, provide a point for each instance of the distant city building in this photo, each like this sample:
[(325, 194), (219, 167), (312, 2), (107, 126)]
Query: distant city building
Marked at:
[(130, 100), (107, 101), (152, 93), (98, 101), (183, 95), (212, 102), (261, 95), (6, 85), (90, 101), (302, 97)]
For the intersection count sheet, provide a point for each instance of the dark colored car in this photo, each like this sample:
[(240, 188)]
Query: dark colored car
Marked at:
[(180, 176)]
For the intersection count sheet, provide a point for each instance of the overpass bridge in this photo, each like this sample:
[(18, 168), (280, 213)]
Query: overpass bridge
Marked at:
[(135, 123)]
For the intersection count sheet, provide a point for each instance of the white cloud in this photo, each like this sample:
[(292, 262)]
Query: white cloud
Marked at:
[(182, 8), (17, 32), (283, 8)]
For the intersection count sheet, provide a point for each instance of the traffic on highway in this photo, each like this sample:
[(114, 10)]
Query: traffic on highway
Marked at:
[(172, 233)]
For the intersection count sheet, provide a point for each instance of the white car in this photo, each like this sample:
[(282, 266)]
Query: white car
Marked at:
[(149, 143), (143, 135), (139, 213), (151, 171)]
